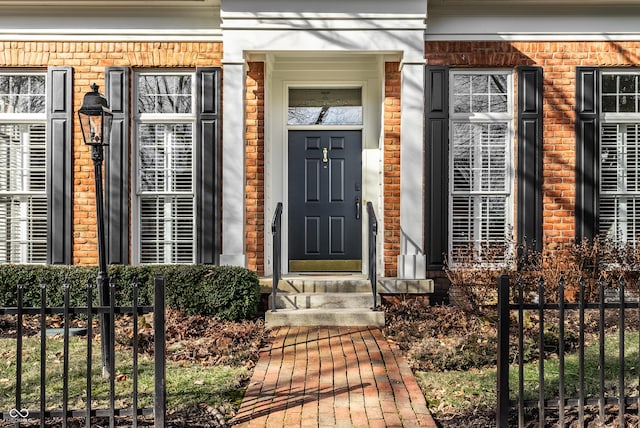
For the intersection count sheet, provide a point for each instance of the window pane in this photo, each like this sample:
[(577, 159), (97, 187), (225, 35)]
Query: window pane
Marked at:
[(609, 158), (462, 93), (22, 93), (609, 84), (22, 154), (165, 94), (23, 229), (627, 104), (479, 224), (480, 93), (628, 84), (479, 84), (165, 223), (479, 103), (609, 103), (620, 218), (498, 104), (619, 207), (632, 158), (620, 93), (480, 147), (327, 106), (165, 157), (479, 157), (166, 229), (23, 201)]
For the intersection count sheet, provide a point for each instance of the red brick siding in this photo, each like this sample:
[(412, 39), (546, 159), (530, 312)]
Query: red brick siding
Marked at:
[(391, 173), (88, 60), (254, 167), (559, 61)]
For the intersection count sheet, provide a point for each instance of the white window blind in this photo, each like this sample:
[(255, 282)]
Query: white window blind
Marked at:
[(620, 181), (23, 199), (480, 164), (165, 167)]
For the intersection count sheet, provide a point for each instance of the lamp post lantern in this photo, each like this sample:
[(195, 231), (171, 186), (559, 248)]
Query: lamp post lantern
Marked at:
[(96, 120)]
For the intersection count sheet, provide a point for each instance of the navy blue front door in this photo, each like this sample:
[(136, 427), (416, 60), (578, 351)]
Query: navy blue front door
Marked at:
[(325, 200)]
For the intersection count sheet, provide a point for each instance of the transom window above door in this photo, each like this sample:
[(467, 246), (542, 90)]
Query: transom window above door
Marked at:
[(325, 106)]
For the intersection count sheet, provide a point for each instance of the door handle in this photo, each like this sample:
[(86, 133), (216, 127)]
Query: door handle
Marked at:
[(357, 208)]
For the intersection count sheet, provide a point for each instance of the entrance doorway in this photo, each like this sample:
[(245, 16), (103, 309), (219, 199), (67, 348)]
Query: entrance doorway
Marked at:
[(325, 200)]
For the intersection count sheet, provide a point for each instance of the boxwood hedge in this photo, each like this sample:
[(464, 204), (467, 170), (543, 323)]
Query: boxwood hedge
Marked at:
[(228, 292)]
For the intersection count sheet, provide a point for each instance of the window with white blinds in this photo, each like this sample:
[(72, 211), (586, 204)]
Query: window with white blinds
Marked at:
[(620, 181), (23, 195), (481, 137), (619, 204), (165, 202)]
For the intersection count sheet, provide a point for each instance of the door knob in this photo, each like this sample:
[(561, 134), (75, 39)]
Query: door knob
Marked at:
[(357, 207)]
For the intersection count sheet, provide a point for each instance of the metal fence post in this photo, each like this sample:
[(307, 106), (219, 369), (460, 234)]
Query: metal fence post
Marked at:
[(159, 399), (502, 413)]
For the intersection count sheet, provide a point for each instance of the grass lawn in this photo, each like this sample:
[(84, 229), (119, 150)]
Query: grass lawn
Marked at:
[(465, 390), (187, 383)]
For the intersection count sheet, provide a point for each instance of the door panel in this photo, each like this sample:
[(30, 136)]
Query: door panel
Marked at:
[(325, 170)]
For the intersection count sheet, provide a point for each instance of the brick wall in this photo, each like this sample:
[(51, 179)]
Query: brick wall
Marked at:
[(254, 167), (391, 173), (559, 61), (88, 60)]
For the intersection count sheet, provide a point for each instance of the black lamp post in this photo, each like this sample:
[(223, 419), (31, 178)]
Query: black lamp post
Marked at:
[(96, 119)]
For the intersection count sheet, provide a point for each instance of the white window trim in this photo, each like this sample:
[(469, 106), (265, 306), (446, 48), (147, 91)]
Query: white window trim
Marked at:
[(611, 118), (160, 118), (21, 119), (507, 117)]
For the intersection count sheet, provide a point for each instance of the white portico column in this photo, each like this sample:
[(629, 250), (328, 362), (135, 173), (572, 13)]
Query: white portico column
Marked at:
[(233, 178), (412, 259)]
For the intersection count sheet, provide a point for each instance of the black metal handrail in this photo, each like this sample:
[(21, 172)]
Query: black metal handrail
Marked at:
[(276, 230), (373, 233)]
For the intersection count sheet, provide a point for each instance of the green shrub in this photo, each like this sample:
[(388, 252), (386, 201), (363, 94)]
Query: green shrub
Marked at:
[(230, 293)]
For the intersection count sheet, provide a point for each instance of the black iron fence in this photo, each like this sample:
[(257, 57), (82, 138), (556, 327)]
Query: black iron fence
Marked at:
[(47, 409), (562, 370)]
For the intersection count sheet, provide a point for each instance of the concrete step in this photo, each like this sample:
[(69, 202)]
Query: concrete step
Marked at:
[(333, 300), (286, 300), (311, 284), (324, 317)]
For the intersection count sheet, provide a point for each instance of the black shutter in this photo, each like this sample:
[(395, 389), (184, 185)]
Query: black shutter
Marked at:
[(207, 176), (529, 221), (587, 148), (437, 165), (60, 165), (117, 166)]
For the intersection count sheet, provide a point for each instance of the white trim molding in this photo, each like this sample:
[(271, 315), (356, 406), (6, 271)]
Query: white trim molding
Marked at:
[(92, 35), (66, 23), (523, 24), (109, 3)]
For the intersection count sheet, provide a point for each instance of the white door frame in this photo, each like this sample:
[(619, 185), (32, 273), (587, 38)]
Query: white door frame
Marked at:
[(331, 72)]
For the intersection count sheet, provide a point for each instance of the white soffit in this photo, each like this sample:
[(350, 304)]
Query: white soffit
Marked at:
[(533, 20), (165, 21), (328, 26)]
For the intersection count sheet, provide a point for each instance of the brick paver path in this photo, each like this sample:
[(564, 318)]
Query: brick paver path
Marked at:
[(332, 377)]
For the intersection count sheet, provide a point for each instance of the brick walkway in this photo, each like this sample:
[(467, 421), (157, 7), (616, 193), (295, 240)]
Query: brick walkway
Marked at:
[(332, 377)]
